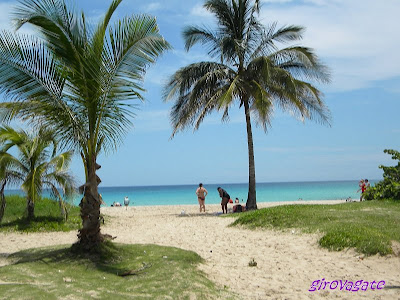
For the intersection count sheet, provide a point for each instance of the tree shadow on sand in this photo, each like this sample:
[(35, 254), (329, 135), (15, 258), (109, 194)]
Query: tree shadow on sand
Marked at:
[(105, 258), (186, 215), (23, 224)]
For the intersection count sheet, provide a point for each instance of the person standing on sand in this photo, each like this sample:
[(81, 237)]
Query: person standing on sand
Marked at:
[(201, 193), (362, 188), (224, 199)]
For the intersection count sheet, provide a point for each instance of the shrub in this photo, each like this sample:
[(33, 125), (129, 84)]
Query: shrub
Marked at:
[(389, 187)]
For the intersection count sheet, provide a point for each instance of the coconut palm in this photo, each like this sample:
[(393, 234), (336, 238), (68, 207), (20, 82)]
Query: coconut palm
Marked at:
[(8, 177), (78, 79), (248, 68), (37, 166)]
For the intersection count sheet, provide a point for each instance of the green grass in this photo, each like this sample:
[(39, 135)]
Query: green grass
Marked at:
[(369, 227), (59, 273), (47, 216)]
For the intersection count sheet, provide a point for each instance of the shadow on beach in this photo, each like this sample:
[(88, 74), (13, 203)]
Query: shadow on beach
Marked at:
[(207, 214), (392, 287)]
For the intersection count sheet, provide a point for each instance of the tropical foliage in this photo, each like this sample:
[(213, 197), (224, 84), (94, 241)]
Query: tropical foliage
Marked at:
[(36, 167), (78, 79), (249, 69), (389, 187), (47, 216)]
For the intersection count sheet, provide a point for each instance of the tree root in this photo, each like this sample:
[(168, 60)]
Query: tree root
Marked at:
[(135, 272)]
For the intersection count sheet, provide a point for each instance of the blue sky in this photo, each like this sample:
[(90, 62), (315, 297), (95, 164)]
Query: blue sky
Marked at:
[(357, 39)]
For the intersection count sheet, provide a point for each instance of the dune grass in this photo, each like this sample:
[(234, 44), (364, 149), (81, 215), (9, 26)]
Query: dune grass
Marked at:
[(47, 216), (156, 272), (369, 227)]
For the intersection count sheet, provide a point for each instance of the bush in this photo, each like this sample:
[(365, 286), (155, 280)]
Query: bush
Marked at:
[(47, 216), (389, 187)]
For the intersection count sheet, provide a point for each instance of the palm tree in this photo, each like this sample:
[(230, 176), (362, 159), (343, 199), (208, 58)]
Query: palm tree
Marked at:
[(38, 166), (249, 69), (7, 176), (78, 79)]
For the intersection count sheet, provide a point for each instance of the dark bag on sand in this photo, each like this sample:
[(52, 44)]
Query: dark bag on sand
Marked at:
[(237, 208)]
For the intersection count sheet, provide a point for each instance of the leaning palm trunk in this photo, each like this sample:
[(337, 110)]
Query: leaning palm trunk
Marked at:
[(89, 235), (61, 203), (251, 197), (63, 210), (3, 200), (30, 209)]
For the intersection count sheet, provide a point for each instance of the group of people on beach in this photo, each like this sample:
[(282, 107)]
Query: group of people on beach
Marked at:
[(363, 184), (117, 204), (201, 193)]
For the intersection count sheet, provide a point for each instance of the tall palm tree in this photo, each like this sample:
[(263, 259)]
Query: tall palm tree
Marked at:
[(37, 166), (248, 68), (78, 79)]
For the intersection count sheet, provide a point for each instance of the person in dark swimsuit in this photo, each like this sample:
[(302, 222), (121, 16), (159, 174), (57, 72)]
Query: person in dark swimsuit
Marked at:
[(201, 193), (224, 199)]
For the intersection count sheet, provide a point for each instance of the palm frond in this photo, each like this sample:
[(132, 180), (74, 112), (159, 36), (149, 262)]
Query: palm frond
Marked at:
[(302, 63), (198, 88), (11, 166), (133, 44), (27, 69), (63, 29), (62, 160), (263, 107), (61, 180), (195, 34), (264, 41)]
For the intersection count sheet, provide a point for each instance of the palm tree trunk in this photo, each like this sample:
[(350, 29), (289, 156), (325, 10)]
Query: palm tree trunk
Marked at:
[(3, 200), (30, 209), (251, 197), (89, 235), (63, 209)]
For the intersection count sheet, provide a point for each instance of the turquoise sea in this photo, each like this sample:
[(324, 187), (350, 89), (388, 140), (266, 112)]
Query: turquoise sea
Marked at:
[(266, 192)]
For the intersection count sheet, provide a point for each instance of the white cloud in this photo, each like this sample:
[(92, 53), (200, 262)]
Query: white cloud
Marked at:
[(151, 7), (186, 58), (309, 149), (355, 38), (277, 1), (159, 73), (318, 2), (199, 11)]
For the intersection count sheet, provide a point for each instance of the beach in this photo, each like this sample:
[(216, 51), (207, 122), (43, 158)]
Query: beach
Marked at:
[(288, 262)]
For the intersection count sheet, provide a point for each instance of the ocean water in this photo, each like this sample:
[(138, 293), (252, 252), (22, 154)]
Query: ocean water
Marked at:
[(266, 192)]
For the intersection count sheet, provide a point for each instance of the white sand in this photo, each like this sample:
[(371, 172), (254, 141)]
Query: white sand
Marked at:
[(287, 262)]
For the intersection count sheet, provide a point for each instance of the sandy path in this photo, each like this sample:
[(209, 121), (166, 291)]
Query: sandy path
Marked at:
[(287, 262)]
